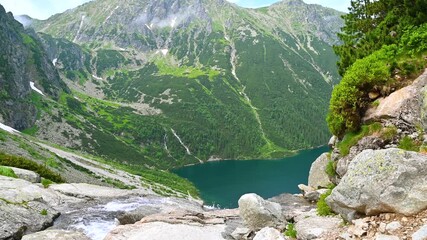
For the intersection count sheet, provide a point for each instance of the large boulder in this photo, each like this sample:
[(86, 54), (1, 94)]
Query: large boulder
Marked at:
[(258, 213), (393, 105), (317, 177), (403, 106), (56, 235), (30, 176), (23, 208), (378, 181), (369, 142)]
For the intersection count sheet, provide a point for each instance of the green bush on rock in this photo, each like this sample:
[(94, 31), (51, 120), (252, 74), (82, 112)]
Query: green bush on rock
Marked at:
[(322, 207), (351, 138), (414, 40), (350, 97), (46, 182), (330, 169), (406, 143), (43, 212), (290, 231)]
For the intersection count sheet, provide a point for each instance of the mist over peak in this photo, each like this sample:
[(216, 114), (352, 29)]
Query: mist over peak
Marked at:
[(25, 20)]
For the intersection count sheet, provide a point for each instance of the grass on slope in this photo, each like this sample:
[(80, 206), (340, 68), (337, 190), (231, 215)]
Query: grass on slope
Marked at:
[(20, 162), (8, 172)]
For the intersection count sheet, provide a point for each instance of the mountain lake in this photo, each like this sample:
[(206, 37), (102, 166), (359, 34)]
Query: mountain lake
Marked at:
[(221, 183)]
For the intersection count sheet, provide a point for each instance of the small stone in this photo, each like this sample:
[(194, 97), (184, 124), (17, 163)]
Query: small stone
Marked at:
[(314, 227), (373, 95), (305, 188), (404, 219), (359, 228), (346, 236), (371, 235), (239, 232), (313, 196), (332, 141), (268, 234), (386, 237), (420, 234), (382, 227), (393, 226), (387, 217)]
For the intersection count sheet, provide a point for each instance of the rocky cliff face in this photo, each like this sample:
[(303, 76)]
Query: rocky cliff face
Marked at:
[(23, 61)]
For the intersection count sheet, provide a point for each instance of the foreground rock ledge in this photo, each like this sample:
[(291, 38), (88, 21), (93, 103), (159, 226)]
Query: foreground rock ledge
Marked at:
[(380, 181), (177, 225), (56, 235)]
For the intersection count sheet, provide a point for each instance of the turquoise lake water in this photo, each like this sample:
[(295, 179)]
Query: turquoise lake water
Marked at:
[(222, 183)]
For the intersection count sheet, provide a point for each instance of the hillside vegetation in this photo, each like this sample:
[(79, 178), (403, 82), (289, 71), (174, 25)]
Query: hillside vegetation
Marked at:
[(157, 84), (377, 57)]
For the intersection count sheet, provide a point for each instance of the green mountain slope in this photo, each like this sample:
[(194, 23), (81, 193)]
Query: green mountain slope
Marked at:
[(178, 82)]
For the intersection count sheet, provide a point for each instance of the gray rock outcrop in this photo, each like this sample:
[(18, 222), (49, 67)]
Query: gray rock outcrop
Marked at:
[(377, 181), (258, 213), (84, 190), (23, 208), (23, 61), (27, 175), (56, 235), (317, 177)]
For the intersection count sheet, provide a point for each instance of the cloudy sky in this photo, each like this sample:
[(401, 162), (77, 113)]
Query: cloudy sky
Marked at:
[(42, 9)]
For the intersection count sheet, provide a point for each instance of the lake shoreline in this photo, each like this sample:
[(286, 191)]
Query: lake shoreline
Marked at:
[(292, 153), (223, 182)]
